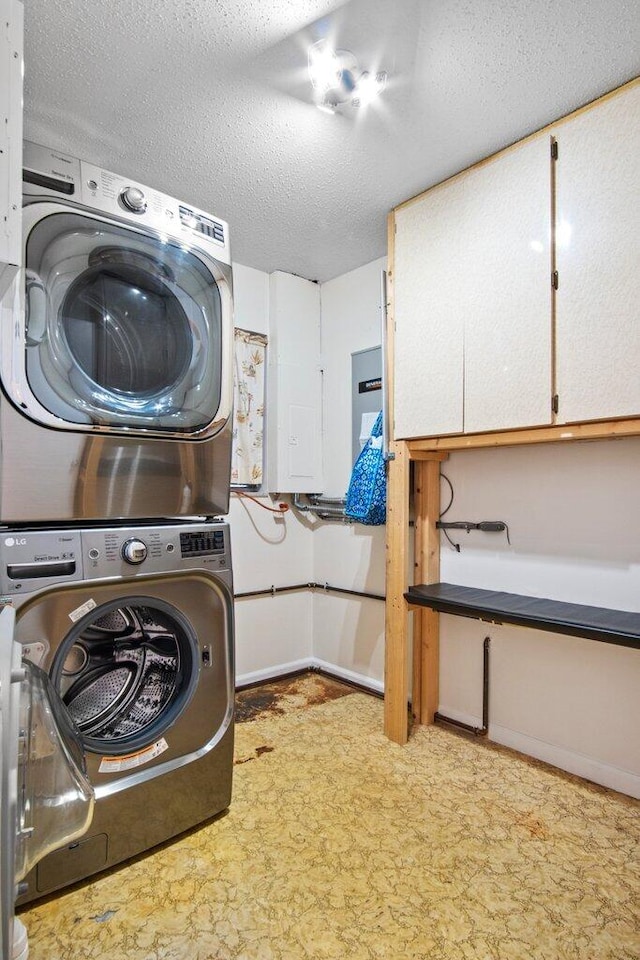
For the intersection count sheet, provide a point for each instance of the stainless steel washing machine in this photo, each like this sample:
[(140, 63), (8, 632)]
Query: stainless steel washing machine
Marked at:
[(134, 626), (116, 352)]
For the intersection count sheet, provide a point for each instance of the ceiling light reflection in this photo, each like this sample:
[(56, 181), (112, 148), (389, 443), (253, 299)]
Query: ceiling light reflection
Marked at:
[(337, 78), (563, 234)]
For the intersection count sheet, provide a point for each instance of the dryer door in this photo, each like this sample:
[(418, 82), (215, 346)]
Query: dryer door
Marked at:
[(122, 329), (45, 800)]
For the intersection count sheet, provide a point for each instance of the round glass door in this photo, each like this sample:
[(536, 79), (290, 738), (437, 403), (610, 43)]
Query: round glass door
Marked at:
[(126, 672), (122, 329)]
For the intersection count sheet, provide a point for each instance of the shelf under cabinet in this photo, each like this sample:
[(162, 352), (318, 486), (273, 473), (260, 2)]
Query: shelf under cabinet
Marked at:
[(620, 627)]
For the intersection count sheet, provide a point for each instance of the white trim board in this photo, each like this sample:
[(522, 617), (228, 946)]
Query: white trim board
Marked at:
[(588, 768), (625, 781), (309, 663)]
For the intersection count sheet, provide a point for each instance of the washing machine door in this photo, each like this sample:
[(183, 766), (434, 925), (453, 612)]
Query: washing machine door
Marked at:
[(46, 800), (126, 672), (123, 330)]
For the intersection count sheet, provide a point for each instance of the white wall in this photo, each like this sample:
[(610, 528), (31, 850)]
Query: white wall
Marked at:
[(273, 634), (575, 529), (287, 631), (348, 633)]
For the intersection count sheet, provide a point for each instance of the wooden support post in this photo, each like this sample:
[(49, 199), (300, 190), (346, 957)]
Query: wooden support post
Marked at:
[(426, 650), (396, 684)]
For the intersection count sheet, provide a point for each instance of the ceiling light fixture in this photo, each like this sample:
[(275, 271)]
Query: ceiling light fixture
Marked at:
[(337, 78)]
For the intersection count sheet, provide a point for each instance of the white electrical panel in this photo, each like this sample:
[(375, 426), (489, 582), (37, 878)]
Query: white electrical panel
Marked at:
[(295, 385)]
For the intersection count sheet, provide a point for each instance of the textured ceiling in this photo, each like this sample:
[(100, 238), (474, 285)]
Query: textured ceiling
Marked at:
[(207, 100)]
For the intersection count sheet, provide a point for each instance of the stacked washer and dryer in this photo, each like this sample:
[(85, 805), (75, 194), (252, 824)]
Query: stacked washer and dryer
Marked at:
[(115, 428)]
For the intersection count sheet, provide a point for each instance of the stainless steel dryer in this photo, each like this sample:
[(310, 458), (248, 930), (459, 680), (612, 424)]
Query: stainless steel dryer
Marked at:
[(116, 344), (134, 626)]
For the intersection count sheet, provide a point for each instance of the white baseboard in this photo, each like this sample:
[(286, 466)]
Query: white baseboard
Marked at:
[(272, 673), (308, 663), (461, 717), (586, 767), (582, 766), (369, 682)]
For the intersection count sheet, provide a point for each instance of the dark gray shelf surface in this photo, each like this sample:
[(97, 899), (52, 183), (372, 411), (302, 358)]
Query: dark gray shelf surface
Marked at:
[(575, 619)]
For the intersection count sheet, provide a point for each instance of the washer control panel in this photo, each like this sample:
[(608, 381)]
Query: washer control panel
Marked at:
[(133, 551), (33, 559)]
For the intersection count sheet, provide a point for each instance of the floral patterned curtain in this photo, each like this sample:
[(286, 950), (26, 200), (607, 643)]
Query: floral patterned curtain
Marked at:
[(248, 417)]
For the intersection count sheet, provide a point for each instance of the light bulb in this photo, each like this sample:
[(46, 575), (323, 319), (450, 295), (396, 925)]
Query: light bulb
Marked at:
[(368, 87), (324, 66)]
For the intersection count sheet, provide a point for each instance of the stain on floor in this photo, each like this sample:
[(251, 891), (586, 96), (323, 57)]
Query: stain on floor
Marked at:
[(340, 845), (258, 752), (288, 695)]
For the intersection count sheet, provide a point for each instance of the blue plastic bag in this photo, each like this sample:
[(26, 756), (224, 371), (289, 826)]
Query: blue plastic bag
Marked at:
[(367, 493)]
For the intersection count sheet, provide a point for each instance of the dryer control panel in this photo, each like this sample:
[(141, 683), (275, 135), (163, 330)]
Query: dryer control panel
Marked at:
[(50, 173), (31, 560)]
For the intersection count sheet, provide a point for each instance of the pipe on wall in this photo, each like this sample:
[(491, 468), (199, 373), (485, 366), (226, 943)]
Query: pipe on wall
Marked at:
[(328, 588), (325, 508)]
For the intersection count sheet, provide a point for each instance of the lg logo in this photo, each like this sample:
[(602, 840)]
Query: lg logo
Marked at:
[(15, 541)]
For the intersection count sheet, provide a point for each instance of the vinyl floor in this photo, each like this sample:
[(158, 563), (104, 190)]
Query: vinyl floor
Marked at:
[(339, 844)]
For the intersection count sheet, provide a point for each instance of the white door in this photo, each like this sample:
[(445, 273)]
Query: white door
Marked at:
[(429, 325), (42, 761), (472, 296), (598, 244), (504, 289)]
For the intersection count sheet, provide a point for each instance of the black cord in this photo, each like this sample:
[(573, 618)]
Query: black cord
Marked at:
[(448, 507), (456, 546), (469, 524)]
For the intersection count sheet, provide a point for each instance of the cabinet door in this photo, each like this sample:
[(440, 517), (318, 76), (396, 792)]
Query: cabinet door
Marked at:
[(504, 289), (598, 244), (473, 299), (428, 342)]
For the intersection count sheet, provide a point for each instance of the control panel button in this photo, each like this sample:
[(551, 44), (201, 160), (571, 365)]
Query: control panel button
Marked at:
[(94, 554), (134, 550), (133, 199)]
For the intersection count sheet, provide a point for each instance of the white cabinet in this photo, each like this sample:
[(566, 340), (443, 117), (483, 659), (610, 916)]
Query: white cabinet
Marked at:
[(11, 17), (505, 289), (429, 332), (294, 385), (598, 261), (473, 299), (482, 340)]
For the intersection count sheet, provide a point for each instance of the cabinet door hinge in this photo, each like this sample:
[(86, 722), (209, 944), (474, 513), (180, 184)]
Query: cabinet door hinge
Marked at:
[(554, 279), (555, 403), (554, 149)]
